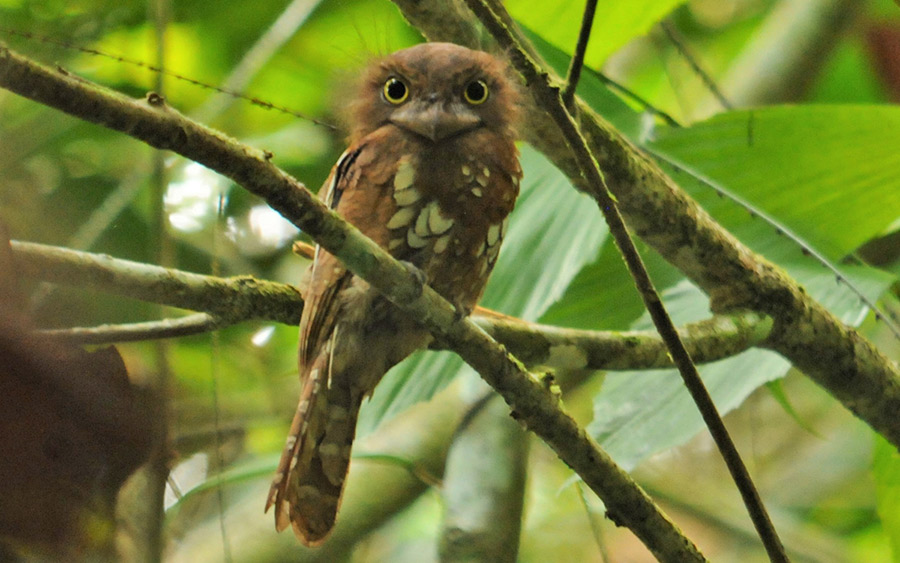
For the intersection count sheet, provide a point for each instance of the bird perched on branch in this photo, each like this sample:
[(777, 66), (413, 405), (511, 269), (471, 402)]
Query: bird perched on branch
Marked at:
[(431, 175)]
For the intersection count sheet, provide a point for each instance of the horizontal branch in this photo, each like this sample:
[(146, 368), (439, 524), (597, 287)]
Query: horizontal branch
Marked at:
[(710, 340), (239, 298), (217, 300), (530, 397), (198, 323)]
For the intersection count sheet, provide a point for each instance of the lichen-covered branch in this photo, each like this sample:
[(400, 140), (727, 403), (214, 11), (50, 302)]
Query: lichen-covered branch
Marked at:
[(240, 298), (223, 301), (533, 403), (835, 356), (719, 337), (547, 96)]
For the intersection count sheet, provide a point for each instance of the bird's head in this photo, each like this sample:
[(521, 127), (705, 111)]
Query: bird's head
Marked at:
[(437, 91)]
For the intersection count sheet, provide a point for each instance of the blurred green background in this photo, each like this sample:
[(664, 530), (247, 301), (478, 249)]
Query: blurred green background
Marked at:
[(822, 76)]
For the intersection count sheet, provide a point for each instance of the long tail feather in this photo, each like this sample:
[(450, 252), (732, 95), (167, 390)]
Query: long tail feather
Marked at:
[(309, 481)]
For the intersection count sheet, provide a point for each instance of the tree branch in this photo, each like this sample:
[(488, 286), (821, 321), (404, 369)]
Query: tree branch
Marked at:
[(532, 402), (197, 323), (483, 488), (835, 356), (547, 96), (239, 298), (224, 301), (575, 66)]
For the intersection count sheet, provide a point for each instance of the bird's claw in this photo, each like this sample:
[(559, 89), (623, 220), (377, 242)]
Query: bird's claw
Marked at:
[(460, 311), (418, 275)]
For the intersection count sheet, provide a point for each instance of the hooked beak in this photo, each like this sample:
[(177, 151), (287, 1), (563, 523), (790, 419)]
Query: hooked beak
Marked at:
[(434, 121)]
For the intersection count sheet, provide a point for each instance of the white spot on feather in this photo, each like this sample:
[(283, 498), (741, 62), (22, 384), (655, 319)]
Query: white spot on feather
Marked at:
[(407, 197), (440, 244), (404, 177), (401, 218), (421, 227), (414, 240), (438, 223), (493, 235)]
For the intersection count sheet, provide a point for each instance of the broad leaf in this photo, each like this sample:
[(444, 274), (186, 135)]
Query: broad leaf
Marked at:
[(615, 22), (639, 413), (805, 174), (829, 173)]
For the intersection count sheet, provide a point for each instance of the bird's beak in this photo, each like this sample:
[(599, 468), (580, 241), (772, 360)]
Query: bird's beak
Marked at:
[(434, 120)]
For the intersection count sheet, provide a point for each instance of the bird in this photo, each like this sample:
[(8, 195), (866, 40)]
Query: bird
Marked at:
[(431, 175)]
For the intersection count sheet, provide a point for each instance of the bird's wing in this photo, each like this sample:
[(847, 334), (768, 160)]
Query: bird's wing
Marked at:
[(356, 189), (327, 275)]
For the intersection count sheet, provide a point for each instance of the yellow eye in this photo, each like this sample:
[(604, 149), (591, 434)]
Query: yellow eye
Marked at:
[(395, 91), (476, 92)]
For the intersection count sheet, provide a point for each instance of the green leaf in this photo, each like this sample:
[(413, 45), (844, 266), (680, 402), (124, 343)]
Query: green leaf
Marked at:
[(776, 389), (886, 473), (603, 296), (615, 22), (554, 231), (639, 413), (829, 173), (246, 471), (803, 168)]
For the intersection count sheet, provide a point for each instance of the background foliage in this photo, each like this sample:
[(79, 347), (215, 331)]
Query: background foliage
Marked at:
[(819, 173)]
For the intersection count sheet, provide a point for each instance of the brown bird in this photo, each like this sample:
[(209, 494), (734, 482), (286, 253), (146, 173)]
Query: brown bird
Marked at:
[(431, 175)]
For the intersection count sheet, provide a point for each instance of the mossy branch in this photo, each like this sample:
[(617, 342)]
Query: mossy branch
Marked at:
[(226, 301)]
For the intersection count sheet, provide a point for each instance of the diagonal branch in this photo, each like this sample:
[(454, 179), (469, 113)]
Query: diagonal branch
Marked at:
[(837, 357), (548, 98), (530, 397)]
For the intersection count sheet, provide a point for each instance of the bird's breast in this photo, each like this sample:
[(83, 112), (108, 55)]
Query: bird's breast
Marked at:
[(451, 212)]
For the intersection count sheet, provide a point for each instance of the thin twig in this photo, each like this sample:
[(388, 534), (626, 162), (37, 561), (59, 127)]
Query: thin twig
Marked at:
[(258, 102), (549, 98), (198, 323), (575, 66), (694, 63), (291, 18), (638, 99)]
